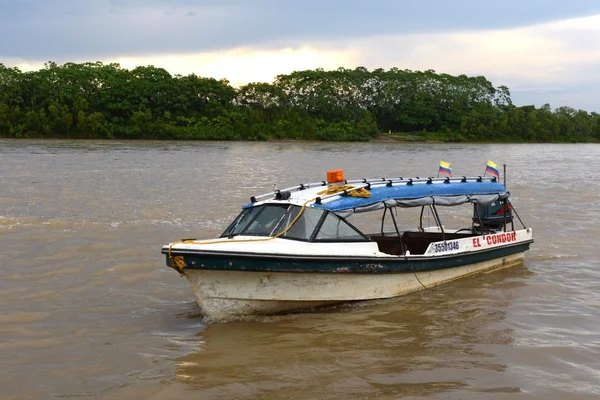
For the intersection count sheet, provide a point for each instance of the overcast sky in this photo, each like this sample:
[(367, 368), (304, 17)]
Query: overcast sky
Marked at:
[(545, 51)]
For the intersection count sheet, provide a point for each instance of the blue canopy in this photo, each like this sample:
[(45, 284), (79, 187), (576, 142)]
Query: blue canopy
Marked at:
[(418, 194)]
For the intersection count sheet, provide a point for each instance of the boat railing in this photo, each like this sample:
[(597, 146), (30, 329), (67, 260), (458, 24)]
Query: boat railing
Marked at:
[(368, 183)]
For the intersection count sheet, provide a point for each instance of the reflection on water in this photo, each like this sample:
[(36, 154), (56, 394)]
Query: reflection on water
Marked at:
[(415, 346), (89, 310)]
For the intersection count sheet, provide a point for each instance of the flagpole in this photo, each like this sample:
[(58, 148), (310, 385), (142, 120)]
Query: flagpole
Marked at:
[(505, 200)]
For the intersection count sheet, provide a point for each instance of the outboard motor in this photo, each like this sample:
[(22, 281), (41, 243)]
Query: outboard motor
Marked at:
[(492, 217)]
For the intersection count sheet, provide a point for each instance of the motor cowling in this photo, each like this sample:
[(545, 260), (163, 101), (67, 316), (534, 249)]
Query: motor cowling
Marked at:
[(493, 216)]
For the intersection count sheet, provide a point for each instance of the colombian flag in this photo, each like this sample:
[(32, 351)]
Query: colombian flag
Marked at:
[(445, 168), (492, 168)]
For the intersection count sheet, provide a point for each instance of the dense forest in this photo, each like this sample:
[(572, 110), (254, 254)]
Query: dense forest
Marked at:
[(105, 101)]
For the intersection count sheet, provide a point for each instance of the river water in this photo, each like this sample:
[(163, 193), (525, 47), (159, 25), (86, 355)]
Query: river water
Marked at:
[(88, 308)]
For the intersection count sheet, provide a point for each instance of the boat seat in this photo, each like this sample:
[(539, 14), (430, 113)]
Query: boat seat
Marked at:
[(417, 242), (388, 244)]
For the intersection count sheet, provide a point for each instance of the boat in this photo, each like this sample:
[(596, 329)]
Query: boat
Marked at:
[(300, 248)]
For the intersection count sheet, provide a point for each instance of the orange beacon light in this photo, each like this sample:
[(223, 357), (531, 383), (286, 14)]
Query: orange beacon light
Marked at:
[(335, 176)]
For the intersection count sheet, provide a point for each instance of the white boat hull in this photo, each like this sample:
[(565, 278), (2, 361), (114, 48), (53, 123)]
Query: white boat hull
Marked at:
[(232, 293)]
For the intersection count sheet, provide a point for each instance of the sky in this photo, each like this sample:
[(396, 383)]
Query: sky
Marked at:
[(545, 51)]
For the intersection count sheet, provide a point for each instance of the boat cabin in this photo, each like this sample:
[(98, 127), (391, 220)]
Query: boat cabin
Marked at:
[(326, 212)]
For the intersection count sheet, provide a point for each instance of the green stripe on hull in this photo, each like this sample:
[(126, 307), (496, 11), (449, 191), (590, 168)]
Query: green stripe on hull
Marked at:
[(330, 265)]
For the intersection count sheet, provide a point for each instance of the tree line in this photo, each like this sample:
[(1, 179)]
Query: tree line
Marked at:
[(105, 101)]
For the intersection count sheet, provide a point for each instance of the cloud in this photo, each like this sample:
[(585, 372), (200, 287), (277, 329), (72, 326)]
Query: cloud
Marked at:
[(542, 63), (243, 65), (97, 28), (552, 61)]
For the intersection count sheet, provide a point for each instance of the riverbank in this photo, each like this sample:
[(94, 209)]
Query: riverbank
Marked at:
[(437, 137), (97, 101), (393, 137)]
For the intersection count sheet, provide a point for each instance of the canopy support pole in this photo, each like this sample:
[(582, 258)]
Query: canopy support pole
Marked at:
[(383, 218), (397, 230), (479, 218), (504, 206), (517, 214), (439, 222)]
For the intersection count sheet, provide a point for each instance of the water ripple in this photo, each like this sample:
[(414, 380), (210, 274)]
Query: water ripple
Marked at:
[(89, 309)]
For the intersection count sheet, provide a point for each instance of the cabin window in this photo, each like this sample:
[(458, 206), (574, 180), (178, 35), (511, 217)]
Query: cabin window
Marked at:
[(338, 230), (241, 221), (257, 221), (304, 226), (266, 221), (272, 219)]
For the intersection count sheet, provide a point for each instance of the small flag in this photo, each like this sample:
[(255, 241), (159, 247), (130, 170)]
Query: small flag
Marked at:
[(492, 168), (445, 168)]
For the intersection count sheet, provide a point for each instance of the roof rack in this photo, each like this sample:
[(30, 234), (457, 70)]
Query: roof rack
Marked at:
[(368, 183)]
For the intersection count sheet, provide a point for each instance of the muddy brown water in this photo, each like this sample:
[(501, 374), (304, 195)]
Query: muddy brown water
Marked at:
[(88, 308)]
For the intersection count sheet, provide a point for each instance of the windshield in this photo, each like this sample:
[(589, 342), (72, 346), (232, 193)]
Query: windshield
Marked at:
[(335, 229), (257, 221), (304, 226), (312, 224)]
